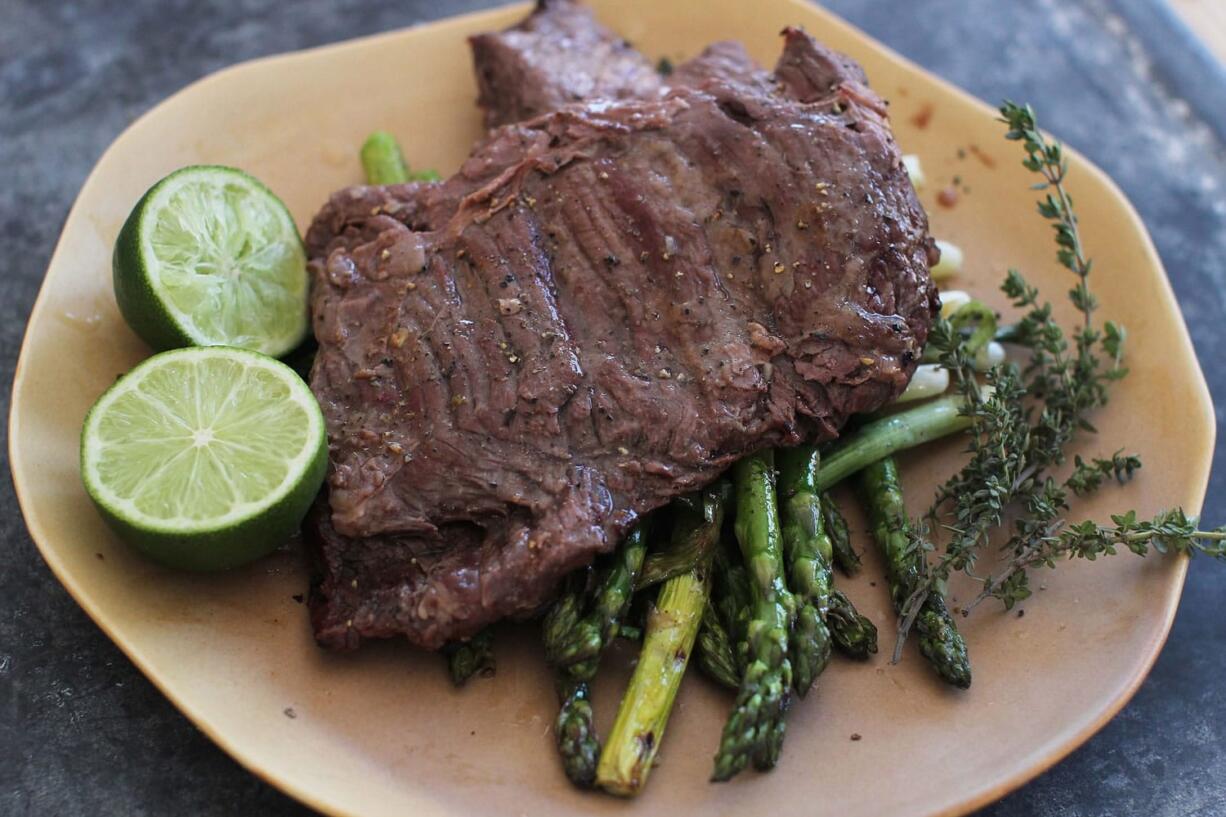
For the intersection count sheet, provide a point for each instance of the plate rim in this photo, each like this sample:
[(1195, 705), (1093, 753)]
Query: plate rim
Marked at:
[(957, 806)]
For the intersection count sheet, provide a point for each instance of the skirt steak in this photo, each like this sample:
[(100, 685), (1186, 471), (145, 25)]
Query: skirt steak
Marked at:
[(608, 305)]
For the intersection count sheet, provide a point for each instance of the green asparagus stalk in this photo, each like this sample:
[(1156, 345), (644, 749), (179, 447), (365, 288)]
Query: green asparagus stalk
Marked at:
[(809, 552), (939, 639), (575, 727), (733, 598), (854, 635), (575, 731), (672, 628), (755, 729), (467, 658), (588, 636), (562, 618), (635, 737), (845, 555), (888, 435), (715, 652), (733, 603), (574, 643), (382, 161)]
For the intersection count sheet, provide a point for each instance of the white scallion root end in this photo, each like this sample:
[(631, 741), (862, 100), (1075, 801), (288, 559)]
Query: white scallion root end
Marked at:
[(992, 354), (950, 263), (952, 300), (930, 380)]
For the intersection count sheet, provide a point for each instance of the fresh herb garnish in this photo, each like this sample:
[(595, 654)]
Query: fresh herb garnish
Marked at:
[(1021, 427)]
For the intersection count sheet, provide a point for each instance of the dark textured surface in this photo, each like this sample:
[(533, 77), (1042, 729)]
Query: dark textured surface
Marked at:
[(81, 731)]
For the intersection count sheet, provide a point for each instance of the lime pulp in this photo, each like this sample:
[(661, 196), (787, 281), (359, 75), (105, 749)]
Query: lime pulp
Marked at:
[(209, 256), (205, 458)]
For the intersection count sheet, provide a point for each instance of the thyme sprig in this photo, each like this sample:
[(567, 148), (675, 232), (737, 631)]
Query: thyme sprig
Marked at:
[(1170, 531), (1023, 424)]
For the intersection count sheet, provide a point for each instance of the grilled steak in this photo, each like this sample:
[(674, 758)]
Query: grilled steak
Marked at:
[(557, 56), (607, 306)]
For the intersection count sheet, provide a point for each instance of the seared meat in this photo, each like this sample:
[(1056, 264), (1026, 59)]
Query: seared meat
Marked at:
[(557, 56), (606, 307), (720, 63)]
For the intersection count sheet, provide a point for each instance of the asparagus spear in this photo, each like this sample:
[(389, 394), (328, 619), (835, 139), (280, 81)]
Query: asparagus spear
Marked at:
[(754, 730), (939, 639), (587, 636), (575, 731), (733, 598), (575, 727), (809, 553), (574, 643), (855, 635), (467, 658), (563, 617), (668, 642), (845, 555), (635, 737), (715, 652), (733, 604), (382, 161)]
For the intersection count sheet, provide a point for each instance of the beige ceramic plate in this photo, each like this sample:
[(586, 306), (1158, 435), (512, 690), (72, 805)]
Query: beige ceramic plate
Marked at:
[(382, 732)]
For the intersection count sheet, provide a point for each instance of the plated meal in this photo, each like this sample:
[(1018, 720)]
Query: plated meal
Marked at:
[(604, 378)]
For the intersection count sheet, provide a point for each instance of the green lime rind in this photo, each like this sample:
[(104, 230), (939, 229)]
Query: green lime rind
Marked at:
[(211, 257), (205, 458)]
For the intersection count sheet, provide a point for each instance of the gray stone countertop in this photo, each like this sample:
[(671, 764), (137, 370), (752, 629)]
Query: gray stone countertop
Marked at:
[(83, 733)]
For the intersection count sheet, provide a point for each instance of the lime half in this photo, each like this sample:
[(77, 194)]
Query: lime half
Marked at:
[(210, 257), (205, 458)]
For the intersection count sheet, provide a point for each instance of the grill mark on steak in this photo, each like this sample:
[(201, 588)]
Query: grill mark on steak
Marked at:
[(510, 474)]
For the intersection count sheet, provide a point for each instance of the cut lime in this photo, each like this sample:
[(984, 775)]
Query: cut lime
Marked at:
[(205, 458), (210, 257)]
